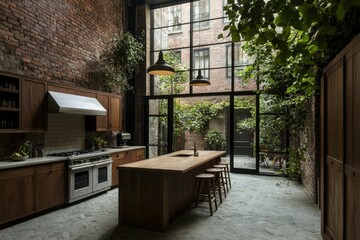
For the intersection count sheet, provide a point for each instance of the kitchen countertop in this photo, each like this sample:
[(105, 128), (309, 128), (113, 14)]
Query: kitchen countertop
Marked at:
[(6, 164), (180, 161)]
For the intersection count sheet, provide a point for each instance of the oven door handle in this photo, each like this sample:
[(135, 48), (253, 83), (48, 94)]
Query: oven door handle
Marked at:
[(80, 167), (103, 163)]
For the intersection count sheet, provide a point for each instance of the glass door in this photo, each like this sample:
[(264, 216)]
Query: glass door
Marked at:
[(157, 127), (243, 130)]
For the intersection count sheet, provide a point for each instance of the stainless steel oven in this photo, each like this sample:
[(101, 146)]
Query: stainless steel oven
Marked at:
[(89, 174)]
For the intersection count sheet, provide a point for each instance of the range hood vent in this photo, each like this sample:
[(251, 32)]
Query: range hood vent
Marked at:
[(74, 104)]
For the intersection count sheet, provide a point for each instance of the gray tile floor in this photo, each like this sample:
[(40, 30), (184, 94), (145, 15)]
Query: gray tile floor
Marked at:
[(257, 207)]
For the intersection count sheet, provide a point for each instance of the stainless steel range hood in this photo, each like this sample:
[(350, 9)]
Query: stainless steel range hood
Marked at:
[(74, 104)]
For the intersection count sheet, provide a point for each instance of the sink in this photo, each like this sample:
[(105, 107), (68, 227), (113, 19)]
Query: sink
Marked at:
[(183, 155)]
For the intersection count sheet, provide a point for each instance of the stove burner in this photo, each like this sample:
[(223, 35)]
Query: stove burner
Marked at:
[(71, 154)]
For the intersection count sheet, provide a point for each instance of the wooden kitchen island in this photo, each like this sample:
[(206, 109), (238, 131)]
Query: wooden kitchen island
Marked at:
[(153, 192)]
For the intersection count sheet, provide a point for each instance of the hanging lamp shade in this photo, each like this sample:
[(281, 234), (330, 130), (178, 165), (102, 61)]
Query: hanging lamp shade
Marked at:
[(200, 80), (161, 68)]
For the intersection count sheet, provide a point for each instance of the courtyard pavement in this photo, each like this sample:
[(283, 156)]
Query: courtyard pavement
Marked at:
[(257, 207)]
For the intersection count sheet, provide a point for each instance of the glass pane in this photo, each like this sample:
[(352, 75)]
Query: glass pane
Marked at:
[(203, 120), (218, 81), (244, 132), (158, 107), (102, 174), (81, 180), (209, 35), (272, 143)]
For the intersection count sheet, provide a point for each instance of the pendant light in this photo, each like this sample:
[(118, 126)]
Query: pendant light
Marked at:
[(199, 80), (161, 68)]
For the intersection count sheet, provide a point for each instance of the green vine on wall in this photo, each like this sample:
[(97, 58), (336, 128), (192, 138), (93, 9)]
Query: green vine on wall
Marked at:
[(118, 63)]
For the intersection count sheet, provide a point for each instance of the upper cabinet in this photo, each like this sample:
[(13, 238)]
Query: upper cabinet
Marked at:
[(33, 105), (113, 119), (102, 122), (23, 105), (115, 114), (9, 103)]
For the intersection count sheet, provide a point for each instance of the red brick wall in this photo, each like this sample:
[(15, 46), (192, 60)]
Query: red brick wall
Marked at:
[(57, 39), (311, 139)]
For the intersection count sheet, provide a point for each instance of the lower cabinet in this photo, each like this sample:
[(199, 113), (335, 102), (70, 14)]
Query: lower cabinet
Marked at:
[(124, 158), (50, 185), (16, 193), (27, 190)]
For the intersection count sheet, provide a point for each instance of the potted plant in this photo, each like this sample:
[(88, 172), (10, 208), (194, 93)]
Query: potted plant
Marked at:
[(99, 142), (23, 152)]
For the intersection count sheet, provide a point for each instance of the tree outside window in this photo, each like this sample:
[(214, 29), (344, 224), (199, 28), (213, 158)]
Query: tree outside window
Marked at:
[(201, 61)]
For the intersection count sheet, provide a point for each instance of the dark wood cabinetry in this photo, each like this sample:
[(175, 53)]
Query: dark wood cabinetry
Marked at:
[(125, 157), (33, 105), (17, 193), (340, 131), (50, 188), (9, 103), (27, 190), (115, 118), (102, 122)]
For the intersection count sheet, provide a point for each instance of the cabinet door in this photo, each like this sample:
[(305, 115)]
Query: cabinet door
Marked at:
[(50, 188), (102, 122), (118, 159), (136, 155), (115, 113), (16, 193), (33, 109)]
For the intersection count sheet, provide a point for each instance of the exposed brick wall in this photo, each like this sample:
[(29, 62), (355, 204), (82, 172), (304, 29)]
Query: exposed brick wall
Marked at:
[(311, 139), (57, 39)]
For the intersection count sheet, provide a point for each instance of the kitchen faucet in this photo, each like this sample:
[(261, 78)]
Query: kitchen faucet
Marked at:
[(196, 153)]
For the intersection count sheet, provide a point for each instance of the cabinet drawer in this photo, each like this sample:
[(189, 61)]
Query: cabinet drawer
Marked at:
[(118, 155), (49, 167), (16, 172), (140, 155)]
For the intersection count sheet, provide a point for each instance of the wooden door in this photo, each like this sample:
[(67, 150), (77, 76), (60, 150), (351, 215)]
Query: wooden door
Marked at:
[(33, 107), (340, 138)]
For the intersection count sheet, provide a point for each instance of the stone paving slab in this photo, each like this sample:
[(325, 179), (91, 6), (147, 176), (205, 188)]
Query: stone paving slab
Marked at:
[(257, 207)]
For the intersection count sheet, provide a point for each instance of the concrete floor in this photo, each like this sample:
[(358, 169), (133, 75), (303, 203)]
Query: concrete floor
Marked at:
[(257, 207)]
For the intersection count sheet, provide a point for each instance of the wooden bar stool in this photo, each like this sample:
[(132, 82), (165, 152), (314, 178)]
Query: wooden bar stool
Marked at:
[(219, 180), (227, 163), (204, 185), (223, 168)]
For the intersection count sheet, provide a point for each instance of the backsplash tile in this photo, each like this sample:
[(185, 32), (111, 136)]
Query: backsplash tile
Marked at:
[(66, 132)]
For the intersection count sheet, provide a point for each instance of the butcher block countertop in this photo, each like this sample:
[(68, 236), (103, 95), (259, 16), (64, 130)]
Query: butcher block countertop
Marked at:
[(180, 161)]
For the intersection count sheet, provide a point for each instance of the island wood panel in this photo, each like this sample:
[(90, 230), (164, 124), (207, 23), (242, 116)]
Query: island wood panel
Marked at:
[(157, 195)]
